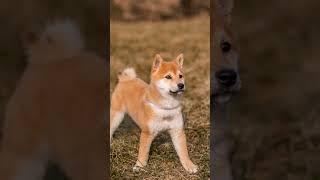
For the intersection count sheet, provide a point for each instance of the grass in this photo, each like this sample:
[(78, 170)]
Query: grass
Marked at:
[(135, 45)]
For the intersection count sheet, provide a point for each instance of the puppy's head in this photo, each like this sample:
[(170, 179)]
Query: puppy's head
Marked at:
[(168, 76), (225, 77), (56, 41)]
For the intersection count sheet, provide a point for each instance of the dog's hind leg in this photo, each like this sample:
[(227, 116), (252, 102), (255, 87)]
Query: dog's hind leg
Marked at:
[(116, 118), (117, 111)]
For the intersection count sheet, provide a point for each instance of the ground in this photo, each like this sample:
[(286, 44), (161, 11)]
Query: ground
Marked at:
[(135, 45)]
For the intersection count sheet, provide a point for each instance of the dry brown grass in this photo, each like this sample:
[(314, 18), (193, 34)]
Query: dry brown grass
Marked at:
[(135, 44)]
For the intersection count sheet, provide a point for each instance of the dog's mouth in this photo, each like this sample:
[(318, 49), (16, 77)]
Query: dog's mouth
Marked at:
[(223, 96), (177, 92)]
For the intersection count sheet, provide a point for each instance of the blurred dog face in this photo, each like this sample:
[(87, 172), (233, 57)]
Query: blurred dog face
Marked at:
[(168, 76), (225, 77)]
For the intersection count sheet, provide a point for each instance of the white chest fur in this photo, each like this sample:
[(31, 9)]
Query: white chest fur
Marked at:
[(165, 119)]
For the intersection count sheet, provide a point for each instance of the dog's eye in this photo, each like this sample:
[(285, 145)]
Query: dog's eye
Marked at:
[(225, 47), (180, 76), (168, 77)]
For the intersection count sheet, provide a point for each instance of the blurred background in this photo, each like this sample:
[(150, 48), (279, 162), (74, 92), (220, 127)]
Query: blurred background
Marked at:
[(139, 29), (137, 10), (275, 118), (19, 16)]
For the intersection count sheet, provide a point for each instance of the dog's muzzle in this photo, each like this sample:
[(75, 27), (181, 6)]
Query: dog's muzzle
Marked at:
[(226, 78), (180, 89), (225, 84)]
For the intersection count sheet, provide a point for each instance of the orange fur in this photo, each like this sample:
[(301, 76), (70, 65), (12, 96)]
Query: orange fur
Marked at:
[(57, 113), (154, 107)]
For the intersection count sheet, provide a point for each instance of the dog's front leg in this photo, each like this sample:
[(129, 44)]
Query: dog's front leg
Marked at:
[(180, 143), (146, 139)]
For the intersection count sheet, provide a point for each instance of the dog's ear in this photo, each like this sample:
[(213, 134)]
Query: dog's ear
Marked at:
[(224, 8), (157, 62), (179, 60)]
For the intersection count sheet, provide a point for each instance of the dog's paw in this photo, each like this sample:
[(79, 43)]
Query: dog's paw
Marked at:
[(190, 167), (138, 167)]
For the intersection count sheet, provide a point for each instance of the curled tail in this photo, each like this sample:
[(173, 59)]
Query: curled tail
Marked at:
[(127, 74), (58, 41)]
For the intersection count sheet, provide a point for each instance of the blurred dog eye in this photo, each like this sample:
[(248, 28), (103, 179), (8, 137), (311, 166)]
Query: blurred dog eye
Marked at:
[(180, 76), (168, 77), (225, 47)]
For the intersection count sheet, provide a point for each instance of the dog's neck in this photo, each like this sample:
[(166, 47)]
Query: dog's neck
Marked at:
[(155, 98)]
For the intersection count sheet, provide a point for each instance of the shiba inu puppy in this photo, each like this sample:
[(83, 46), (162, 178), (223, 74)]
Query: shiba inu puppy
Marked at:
[(57, 112), (154, 107)]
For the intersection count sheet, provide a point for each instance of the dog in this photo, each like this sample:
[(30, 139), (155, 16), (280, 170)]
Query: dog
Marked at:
[(57, 112), (225, 82), (154, 107), (225, 76)]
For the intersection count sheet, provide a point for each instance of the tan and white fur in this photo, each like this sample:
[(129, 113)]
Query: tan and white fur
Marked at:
[(225, 81), (57, 112), (154, 107)]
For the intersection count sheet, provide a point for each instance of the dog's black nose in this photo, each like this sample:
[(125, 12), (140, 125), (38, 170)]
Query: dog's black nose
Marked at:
[(180, 86), (227, 77)]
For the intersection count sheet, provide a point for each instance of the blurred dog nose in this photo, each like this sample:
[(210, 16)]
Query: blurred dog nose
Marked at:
[(180, 86), (227, 77)]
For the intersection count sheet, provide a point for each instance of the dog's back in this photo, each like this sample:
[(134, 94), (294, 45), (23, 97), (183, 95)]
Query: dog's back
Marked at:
[(128, 94), (56, 111)]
